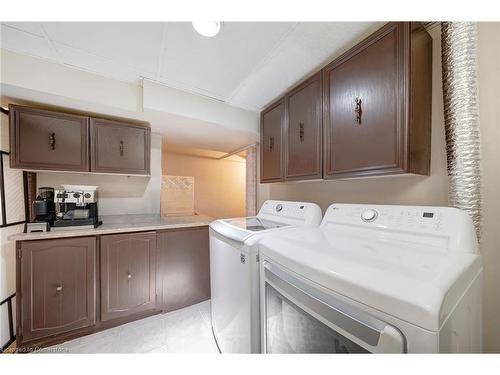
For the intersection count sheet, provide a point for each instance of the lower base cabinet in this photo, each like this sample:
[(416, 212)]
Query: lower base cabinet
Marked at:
[(56, 287), (60, 296), (183, 267), (128, 274)]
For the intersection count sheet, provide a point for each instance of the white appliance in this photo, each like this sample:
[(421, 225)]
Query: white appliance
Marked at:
[(380, 279), (234, 271)]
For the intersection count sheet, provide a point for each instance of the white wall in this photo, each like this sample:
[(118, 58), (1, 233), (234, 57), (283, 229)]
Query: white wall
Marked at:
[(160, 97), (7, 277), (219, 185), (50, 78), (489, 111)]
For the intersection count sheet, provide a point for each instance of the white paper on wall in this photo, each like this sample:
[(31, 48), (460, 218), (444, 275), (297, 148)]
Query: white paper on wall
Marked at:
[(14, 193), (177, 196)]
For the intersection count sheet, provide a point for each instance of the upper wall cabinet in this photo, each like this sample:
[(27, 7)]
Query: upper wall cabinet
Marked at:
[(271, 146), (367, 113), (303, 131), (50, 140), (119, 148), (377, 105), (42, 139), (291, 135)]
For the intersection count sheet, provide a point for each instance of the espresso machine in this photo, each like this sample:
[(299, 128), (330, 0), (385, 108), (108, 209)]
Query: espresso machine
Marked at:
[(43, 210), (76, 208)]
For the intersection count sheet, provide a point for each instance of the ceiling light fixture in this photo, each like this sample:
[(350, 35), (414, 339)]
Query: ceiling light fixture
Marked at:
[(207, 28)]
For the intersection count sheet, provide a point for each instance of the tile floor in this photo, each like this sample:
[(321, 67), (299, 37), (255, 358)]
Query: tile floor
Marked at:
[(183, 331)]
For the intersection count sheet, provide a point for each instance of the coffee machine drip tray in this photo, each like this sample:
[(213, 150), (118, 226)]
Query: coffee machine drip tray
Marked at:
[(61, 224), (73, 227)]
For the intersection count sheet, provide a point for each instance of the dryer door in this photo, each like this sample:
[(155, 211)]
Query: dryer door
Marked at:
[(299, 318)]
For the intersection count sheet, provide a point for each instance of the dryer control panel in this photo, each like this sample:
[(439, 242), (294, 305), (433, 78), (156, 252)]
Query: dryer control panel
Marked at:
[(441, 226)]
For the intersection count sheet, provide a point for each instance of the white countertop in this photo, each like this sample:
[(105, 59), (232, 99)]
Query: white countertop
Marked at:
[(121, 224)]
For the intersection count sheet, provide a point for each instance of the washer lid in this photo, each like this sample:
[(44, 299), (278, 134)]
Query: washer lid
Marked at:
[(272, 215), (239, 229), (411, 281), (254, 224)]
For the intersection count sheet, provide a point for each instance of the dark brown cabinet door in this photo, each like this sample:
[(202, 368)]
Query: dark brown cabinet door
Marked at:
[(365, 91), (128, 272), (303, 131), (57, 286), (119, 148), (271, 149), (365, 106), (42, 139), (184, 267)]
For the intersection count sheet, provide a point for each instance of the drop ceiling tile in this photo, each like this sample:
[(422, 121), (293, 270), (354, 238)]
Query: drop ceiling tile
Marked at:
[(217, 65), (309, 46), (22, 42), (96, 64), (29, 27), (136, 44)]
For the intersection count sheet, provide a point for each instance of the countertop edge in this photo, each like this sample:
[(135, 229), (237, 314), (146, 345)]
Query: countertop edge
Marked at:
[(97, 231)]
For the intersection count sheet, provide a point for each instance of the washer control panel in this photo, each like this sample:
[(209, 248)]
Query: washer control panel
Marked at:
[(291, 212), (279, 209)]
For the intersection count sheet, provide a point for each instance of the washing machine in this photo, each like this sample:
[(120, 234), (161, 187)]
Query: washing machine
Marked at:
[(373, 279), (234, 270)]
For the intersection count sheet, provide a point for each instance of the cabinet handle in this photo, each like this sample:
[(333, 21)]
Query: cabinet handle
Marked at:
[(271, 144), (358, 111), (301, 131), (129, 275), (59, 288), (122, 148), (52, 141)]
